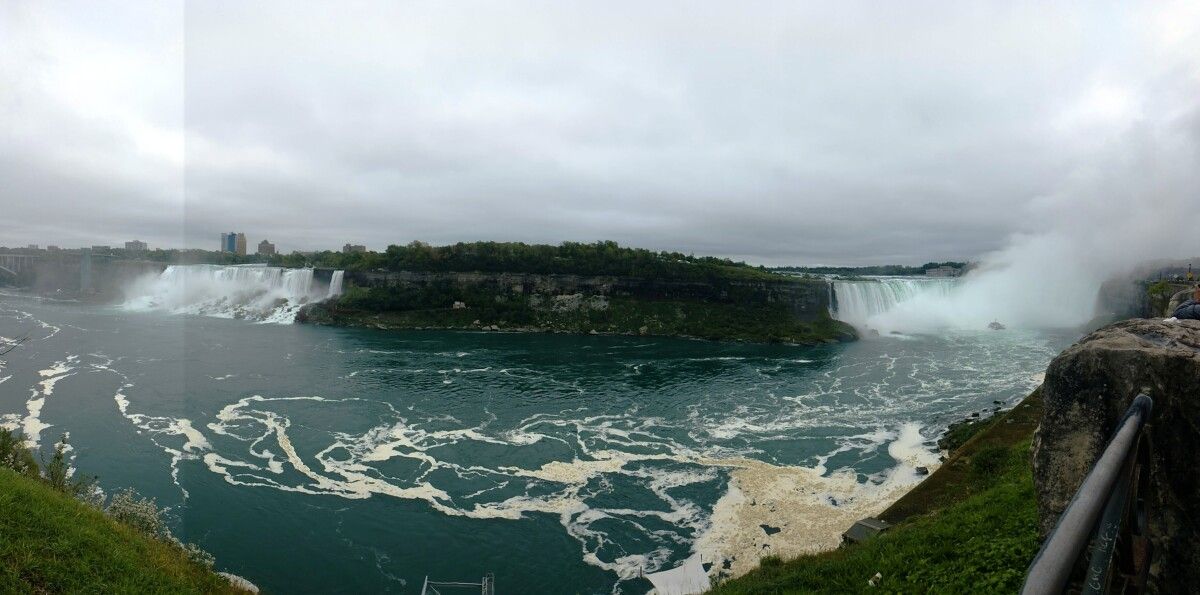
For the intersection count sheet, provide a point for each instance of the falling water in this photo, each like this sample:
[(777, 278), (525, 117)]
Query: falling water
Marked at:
[(858, 302), (335, 284), (249, 292)]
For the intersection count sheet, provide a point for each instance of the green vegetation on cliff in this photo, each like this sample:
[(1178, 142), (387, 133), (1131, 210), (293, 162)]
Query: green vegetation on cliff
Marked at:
[(52, 543), (387, 309), (971, 527), (572, 288), (568, 258), (56, 538)]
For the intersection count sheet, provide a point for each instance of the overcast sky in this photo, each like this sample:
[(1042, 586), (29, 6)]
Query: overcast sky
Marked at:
[(782, 132)]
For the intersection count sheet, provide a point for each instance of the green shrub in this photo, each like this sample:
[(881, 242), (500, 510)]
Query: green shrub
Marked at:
[(990, 462), (60, 477), (140, 513), (144, 515), (14, 455)]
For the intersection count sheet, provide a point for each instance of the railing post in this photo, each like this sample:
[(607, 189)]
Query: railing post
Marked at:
[(1052, 567)]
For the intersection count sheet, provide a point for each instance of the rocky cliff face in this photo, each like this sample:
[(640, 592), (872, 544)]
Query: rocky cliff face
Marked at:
[(1087, 389), (765, 310), (807, 299)]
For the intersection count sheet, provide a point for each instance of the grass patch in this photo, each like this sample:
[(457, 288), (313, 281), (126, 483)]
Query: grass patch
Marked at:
[(980, 545), (53, 543), (971, 527)]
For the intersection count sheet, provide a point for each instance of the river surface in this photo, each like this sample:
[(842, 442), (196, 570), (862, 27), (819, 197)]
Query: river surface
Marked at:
[(323, 460)]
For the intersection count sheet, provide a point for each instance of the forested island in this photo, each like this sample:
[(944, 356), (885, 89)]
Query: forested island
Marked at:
[(595, 288), (573, 287)]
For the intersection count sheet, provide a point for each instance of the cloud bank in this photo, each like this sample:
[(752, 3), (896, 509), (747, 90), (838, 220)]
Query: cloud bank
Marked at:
[(772, 132)]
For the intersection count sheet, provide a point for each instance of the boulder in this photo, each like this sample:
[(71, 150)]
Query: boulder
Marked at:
[(1177, 300), (1087, 389)]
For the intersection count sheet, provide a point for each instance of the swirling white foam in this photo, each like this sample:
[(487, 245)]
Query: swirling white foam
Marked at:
[(32, 425)]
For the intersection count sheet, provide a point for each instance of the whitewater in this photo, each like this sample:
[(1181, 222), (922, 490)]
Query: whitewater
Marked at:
[(251, 292), (382, 457)]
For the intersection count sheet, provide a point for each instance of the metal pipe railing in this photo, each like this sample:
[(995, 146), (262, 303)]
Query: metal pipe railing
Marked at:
[(1054, 564)]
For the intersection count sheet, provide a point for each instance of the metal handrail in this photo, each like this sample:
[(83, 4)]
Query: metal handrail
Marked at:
[(1104, 495)]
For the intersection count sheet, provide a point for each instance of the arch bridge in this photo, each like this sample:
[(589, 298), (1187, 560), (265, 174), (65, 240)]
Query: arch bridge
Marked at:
[(12, 265)]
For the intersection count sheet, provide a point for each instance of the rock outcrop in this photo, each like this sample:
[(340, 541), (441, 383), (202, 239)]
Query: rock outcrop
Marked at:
[(1177, 300), (807, 299), (1087, 389)]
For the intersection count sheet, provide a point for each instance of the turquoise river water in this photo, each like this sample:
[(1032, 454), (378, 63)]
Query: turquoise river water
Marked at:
[(322, 460)]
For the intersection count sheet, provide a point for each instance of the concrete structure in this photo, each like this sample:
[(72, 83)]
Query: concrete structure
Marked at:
[(348, 248), (942, 272), (239, 244), (864, 530), (85, 271), (13, 265), (136, 246), (72, 271), (266, 248)]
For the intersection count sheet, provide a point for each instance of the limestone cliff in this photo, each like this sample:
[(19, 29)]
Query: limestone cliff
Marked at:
[(784, 310), (1087, 389)]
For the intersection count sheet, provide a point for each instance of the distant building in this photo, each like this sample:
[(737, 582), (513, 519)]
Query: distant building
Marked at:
[(101, 249), (52, 248), (266, 248), (136, 246), (33, 247), (942, 272), (348, 248), (233, 242)]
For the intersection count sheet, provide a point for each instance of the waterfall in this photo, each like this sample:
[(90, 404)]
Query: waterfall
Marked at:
[(858, 302), (245, 292), (335, 284)]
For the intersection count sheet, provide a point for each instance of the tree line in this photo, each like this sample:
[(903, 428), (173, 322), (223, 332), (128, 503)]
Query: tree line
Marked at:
[(605, 258)]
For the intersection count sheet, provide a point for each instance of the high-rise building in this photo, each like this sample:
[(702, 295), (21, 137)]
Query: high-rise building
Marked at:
[(233, 242), (348, 248), (136, 246), (266, 248)]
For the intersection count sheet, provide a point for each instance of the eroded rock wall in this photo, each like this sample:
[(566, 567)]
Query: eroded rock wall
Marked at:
[(1087, 389), (808, 299)]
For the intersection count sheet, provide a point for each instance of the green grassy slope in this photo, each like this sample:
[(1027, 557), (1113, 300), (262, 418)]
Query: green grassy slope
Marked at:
[(51, 543), (971, 527)]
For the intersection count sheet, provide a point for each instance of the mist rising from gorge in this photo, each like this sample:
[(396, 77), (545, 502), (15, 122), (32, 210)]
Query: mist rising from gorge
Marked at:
[(1138, 200)]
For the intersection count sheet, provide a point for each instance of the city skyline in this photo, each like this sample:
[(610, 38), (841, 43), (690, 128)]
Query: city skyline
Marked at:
[(49, 247)]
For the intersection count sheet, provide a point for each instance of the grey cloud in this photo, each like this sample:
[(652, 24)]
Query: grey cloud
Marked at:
[(773, 132)]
